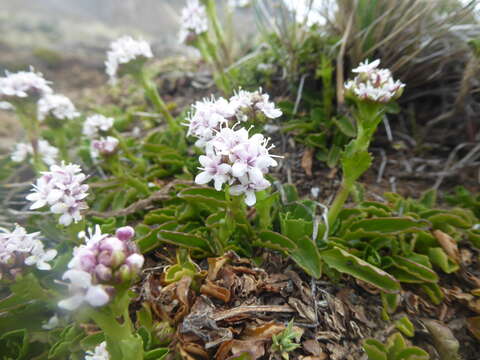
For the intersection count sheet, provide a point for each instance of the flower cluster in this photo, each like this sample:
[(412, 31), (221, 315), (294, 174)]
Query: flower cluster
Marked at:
[(374, 84), (92, 127), (123, 52), (58, 106), (211, 114), (251, 104), (47, 152), (240, 160), (23, 84), (61, 188), (311, 12), (194, 21), (100, 353), (96, 123), (18, 248), (103, 146), (103, 262), (239, 3)]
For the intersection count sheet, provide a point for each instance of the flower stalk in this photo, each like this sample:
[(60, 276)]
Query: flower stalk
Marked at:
[(371, 90)]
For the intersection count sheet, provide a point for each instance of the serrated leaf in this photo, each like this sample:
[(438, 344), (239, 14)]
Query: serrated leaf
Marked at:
[(345, 126), (347, 263)]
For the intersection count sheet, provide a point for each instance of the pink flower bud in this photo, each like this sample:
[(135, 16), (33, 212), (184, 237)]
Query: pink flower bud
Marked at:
[(135, 261), (103, 273), (125, 233), (124, 274)]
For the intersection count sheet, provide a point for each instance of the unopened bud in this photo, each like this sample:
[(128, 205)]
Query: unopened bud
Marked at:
[(125, 233), (103, 273)]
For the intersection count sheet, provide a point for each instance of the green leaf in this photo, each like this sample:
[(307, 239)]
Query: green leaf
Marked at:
[(347, 263), (156, 354), (345, 126), (355, 164), (375, 350), (388, 225), (439, 258), (412, 353), (429, 198), (204, 197), (405, 326), (434, 292), (188, 241), (308, 257), (14, 344), (276, 241), (440, 220), (419, 272), (390, 302)]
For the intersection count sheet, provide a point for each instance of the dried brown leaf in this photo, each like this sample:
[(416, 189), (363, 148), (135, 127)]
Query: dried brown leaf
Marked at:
[(446, 344), (448, 244), (307, 161), (215, 291), (473, 324)]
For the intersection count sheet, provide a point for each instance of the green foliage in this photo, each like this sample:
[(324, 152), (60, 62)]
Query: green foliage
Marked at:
[(396, 348), (286, 341)]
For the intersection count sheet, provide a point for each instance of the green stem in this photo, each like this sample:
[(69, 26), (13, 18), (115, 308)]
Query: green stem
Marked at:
[(126, 151), (368, 117), (31, 125), (121, 342), (339, 201), (209, 52), (217, 28), (152, 93)]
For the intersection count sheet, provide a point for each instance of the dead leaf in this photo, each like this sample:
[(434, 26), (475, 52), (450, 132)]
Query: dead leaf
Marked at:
[(305, 311), (446, 344), (264, 331), (256, 349), (313, 347), (215, 291), (448, 244), (307, 161), (473, 324)]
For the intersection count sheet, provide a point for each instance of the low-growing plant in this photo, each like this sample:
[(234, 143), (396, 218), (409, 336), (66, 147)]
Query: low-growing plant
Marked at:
[(396, 348)]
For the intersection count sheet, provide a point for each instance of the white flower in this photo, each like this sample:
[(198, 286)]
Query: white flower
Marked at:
[(234, 157), (29, 246), (194, 20), (268, 107), (52, 323), (123, 51), (310, 12), (47, 152), (83, 291), (213, 169), (366, 67), (96, 123), (247, 103), (96, 266), (21, 152), (23, 84), (239, 3), (100, 353), (208, 116), (61, 188), (56, 105), (103, 146), (5, 105), (374, 84), (39, 257)]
